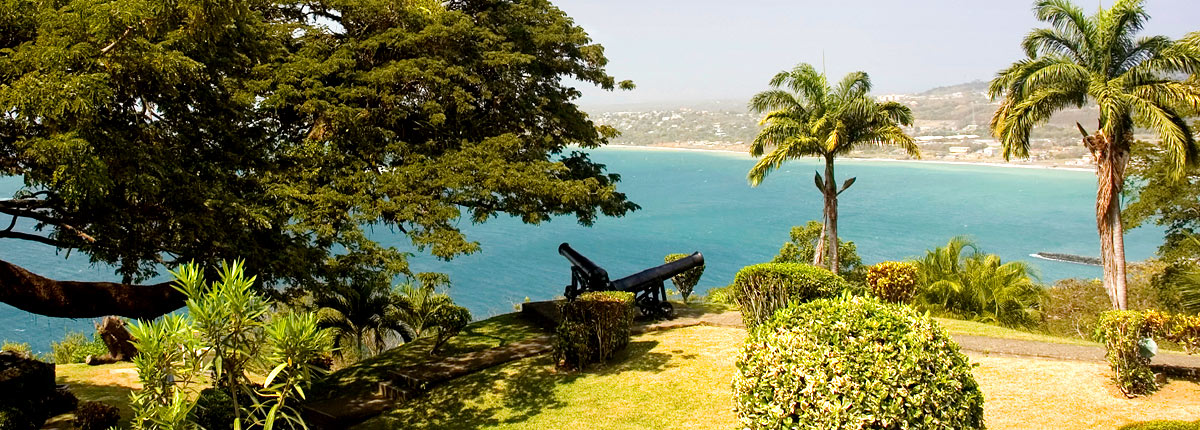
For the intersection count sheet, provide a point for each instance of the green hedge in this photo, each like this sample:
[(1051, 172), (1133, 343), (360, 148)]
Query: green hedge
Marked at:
[(762, 289), (595, 325), (686, 281), (1120, 332), (854, 363)]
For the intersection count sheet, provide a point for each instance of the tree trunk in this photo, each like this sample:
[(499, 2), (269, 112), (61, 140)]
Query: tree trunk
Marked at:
[(70, 299), (1111, 155), (117, 338), (819, 251), (831, 217)]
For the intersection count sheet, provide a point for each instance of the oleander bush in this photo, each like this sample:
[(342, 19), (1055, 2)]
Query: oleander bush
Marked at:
[(686, 281), (595, 326), (762, 289), (893, 281), (96, 416), (214, 410), (75, 347), (854, 363), (1120, 332)]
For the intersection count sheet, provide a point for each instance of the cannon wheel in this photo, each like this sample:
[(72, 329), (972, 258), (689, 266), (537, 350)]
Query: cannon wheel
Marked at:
[(664, 310)]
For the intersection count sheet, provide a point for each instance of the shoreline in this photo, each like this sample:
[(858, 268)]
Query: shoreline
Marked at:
[(871, 159)]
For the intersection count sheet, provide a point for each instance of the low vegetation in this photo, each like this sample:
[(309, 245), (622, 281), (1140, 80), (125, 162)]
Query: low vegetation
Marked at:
[(595, 326), (854, 362), (977, 286), (762, 289)]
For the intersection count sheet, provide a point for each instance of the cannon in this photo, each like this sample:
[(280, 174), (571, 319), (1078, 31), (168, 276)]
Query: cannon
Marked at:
[(648, 286)]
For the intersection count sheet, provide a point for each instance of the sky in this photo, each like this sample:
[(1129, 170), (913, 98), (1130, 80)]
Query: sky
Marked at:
[(706, 50)]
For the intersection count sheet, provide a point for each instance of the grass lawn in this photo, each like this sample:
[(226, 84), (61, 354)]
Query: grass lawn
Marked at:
[(674, 379), (108, 383), (989, 330), (680, 379), (480, 335)]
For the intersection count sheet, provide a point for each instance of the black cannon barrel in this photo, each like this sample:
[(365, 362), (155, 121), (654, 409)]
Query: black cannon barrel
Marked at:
[(583, 263), (660, 273)]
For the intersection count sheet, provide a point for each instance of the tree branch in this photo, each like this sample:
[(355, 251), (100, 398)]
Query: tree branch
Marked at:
[(6, 234), (71, 299)]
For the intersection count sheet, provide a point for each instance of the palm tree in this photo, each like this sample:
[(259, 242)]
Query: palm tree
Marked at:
[(805, 117), (1096, 59), (364, 315)]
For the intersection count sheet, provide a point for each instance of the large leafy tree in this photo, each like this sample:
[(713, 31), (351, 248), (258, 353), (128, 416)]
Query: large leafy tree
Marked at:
[(154, 133), (805, 117), (1133, 81)]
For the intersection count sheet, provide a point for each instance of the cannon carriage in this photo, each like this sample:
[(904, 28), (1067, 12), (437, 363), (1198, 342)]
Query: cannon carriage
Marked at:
[(648, 286)]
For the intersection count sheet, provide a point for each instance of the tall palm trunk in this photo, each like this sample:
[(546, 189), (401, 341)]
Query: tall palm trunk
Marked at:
[(831, 215), (1112, 156), (819, 251)]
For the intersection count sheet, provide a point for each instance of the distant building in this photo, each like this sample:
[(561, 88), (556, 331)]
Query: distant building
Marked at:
[(960, 149)]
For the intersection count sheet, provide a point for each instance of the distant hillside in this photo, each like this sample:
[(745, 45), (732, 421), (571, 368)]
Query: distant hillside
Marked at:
[(953, 110)]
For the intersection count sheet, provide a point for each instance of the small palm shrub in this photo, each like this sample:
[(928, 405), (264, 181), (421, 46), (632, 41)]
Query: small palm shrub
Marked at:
[(893, 281), (854, 363), (595, 326), (762, 289), (96, 416), (686, 281), (978, 286)]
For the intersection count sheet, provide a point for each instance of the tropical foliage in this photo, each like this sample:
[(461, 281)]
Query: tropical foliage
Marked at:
[(806, 117), (1133, 82), (362, 318), (960, 280), (803, 244), (686, 281), (227, 334), (893, 281)]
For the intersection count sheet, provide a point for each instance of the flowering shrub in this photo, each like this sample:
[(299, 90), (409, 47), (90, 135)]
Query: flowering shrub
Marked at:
[(1122, 330)]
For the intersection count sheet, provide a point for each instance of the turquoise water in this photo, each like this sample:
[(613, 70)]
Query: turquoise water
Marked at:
[(698, 201)]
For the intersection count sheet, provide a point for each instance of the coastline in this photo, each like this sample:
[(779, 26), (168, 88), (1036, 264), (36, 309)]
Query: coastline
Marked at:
[(870, 159)]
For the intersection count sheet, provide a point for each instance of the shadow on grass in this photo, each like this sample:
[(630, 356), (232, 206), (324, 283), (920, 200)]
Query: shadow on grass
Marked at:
[(515, 392), (114, 395), (365, 376)]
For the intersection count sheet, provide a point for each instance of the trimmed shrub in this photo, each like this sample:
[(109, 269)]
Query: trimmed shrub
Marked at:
[(1120, 332), (686, 281), (854, 363), (96, 416), (595, 325), (893, 281), (762, 289)]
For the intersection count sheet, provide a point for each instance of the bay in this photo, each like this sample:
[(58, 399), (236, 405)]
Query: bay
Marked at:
[(701, 201)]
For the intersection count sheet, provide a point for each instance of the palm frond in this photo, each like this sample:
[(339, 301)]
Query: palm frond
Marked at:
[(1050, 41), (1174, 133), (1068, 19)]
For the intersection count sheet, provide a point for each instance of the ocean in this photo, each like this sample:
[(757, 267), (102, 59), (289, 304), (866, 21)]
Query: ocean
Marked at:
[(701, 201)]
